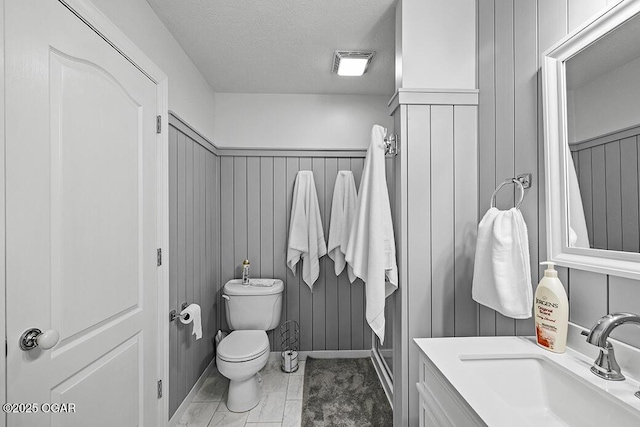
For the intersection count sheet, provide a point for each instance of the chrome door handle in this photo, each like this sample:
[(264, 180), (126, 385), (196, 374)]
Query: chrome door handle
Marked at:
[(34, 337)]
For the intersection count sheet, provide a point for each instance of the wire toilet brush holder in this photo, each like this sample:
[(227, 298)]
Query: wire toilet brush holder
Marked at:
[(290, 344)]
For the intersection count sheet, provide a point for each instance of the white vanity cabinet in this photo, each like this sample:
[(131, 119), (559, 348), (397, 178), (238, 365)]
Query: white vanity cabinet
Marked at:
[(440, 404)]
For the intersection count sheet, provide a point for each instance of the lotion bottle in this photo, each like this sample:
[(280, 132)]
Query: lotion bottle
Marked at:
[(551, 311)]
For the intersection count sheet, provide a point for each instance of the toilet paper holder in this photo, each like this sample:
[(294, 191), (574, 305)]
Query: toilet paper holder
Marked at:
[(173, 314)]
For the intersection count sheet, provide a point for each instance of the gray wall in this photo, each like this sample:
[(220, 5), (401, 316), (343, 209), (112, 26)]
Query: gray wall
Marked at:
[(607, 170), (512, 36), (508, 126), (256, 192), (227, 205), (194, 200)]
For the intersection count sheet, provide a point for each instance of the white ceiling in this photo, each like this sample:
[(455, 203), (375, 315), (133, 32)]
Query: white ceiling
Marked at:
[(284, 46), (610, 52)]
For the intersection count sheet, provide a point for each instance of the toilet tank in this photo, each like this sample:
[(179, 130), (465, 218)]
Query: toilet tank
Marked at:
[(253, 307)]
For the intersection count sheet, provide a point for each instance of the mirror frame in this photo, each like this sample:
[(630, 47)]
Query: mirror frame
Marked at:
[(615, 263)]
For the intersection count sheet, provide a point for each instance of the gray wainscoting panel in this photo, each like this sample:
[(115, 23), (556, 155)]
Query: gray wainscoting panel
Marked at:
[(588, 298), (629, 192), (486, 128), (613, 206), (607, 170), (280, 230), (227, 241), (525, 129), (256, 193), (624, 296), (508, 125), (512, 36), (174, 366), (331, 337), (465, 157), (319, 295), (194, 199), (443, 221)]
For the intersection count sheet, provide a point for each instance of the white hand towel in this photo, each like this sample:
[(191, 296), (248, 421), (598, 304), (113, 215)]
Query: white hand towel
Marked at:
[(343, 208), (502, 273), (306, 236), (371, 250)]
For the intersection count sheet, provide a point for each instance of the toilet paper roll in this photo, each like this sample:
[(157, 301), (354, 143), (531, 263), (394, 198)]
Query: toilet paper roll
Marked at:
[(290, 361), (192, 314)]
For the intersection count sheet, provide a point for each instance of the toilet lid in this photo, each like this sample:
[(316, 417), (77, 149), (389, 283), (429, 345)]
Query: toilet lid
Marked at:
[(241, 346)]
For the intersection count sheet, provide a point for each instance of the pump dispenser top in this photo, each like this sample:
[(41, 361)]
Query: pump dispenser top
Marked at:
[(550, 271)]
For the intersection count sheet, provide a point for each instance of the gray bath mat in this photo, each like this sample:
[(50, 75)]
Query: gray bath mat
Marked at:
[(344, 393)]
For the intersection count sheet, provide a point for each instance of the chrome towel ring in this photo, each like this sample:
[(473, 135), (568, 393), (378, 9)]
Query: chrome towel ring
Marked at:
[(499, 187)]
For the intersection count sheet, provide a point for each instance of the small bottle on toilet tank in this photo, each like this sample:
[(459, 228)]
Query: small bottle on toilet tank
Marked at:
[(245, 272)]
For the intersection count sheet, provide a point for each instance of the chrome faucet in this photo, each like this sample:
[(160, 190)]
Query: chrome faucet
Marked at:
[(606, 366)]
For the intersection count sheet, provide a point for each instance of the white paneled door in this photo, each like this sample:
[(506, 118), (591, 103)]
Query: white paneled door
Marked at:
[(81, 223)]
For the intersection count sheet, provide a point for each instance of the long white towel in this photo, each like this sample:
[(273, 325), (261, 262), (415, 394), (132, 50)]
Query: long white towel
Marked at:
[(502, 273), (578, 236), (306, 237), (371, 250), (343, 209)]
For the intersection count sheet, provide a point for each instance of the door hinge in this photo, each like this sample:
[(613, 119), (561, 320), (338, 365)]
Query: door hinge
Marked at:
[(158, 124), (159, 257), (159, 389)]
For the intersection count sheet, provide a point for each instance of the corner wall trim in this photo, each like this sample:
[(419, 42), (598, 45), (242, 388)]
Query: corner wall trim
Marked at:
[(433, 97), (283, 152), (184, 127)]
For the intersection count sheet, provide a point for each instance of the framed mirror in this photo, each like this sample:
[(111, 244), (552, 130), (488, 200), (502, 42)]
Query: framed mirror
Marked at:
[(591, 90)]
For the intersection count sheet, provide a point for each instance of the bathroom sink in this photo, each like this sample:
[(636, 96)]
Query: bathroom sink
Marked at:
[(547, 394), (510, 381)]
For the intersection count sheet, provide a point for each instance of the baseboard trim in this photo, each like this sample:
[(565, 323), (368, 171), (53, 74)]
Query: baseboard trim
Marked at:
[(173, 421), (328, 354), (334, 354)]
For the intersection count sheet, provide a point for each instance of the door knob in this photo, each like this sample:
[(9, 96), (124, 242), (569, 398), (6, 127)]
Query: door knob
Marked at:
[(34, 337)]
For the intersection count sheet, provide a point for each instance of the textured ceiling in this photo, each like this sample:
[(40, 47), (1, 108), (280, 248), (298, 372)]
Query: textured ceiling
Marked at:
[(284, 46), (610, 52)]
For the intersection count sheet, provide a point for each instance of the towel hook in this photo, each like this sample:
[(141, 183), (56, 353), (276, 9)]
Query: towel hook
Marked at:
[(391, 145), (505, 182)]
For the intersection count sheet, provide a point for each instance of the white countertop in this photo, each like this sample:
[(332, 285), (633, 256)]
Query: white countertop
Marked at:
[(445, 353)]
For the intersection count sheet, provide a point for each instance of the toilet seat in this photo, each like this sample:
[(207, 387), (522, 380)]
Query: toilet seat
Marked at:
[(243, 346)]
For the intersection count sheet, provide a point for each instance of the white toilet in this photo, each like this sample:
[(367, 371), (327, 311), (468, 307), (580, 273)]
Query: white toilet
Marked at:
[(251, 311)]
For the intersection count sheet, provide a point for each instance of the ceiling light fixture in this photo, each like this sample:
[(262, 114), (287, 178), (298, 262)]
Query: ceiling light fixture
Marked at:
[(350, 63)]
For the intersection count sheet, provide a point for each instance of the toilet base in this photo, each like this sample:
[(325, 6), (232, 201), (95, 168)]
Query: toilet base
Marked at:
[(243, 395)]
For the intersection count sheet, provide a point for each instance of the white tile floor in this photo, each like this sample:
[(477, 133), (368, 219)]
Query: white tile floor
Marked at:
[(280, 406)]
